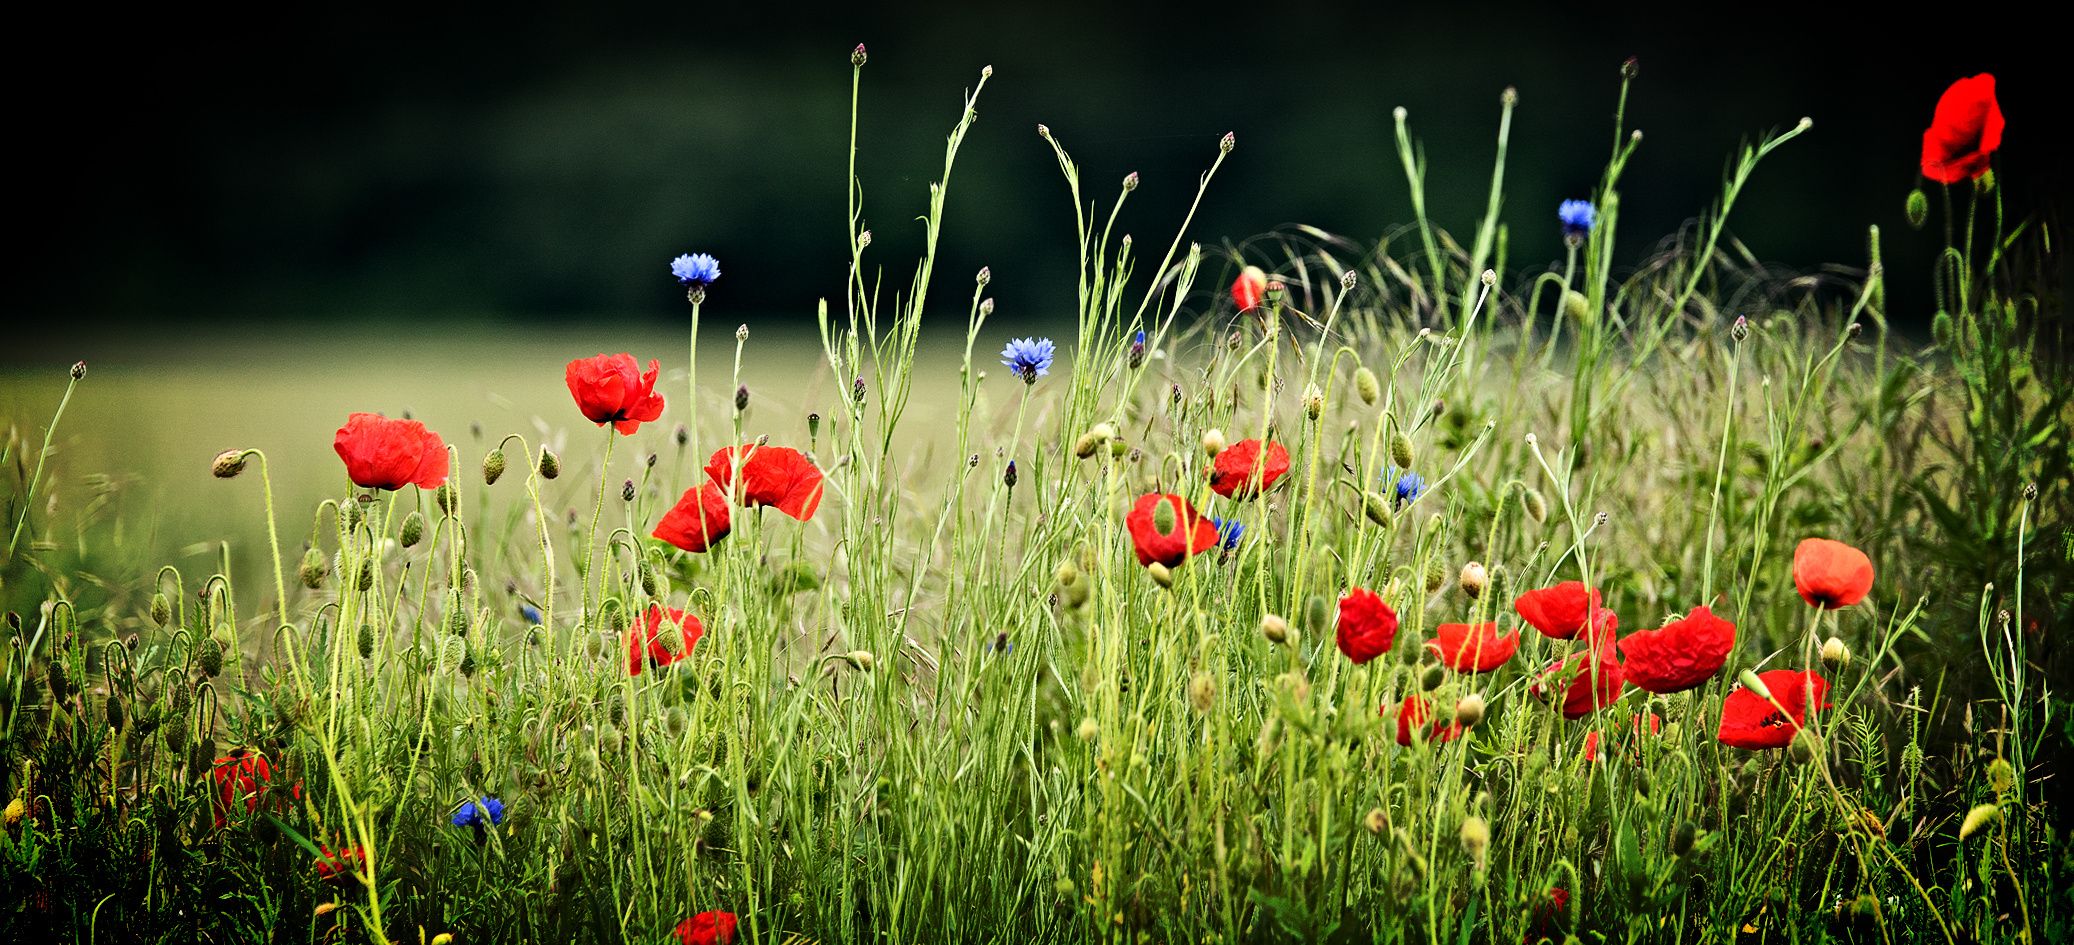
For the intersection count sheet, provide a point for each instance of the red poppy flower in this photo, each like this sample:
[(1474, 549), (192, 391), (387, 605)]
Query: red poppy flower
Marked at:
[(1559, 611), (1754, 723), (1966, 129), (777, 476), (1367, 626), (1242, 471), (1830, 574), (1588, 683), (1192, 532), (1545, 911), (707, 928), (1249, 289), (1473, 648), (1683, 654), (1414, 712), (337, 866), (1591, 740), (241, 778), (381, 453), (645, 639), (698, 520), (611, 389)]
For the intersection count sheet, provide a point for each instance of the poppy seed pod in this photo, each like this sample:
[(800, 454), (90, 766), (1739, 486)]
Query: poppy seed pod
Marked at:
[(1835, 655), (1474, 580), (310, 571), (1213, 441), (1274, 628), (412, 531), (1366, 386), (228, 463), (550, 464)]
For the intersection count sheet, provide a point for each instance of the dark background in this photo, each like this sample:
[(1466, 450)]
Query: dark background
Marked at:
[(542, 163)]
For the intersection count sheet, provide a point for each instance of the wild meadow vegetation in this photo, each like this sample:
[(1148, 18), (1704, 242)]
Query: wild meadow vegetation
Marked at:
[(1314, 590)]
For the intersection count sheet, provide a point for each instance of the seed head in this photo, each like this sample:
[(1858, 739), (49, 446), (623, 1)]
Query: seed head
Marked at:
[(550, 464), (1979, 817), (228, 463)]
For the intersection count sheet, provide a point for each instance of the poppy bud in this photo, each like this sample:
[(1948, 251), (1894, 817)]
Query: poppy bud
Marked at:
[(311, 571), (1076, 592), (447, 498), (366, 640), (1979, 817), (209, 656), (1161, 575), (1681, 841), (1476, 839), (859, 659), (413, 529), (1473, 580), (1377, 510), (1313, 401), (550, 464), (1918, 208), (1536, 505), (161, 609), (1469, 710), (493, 466), (228, 463), (113, 708), (1274, 628), (1432, 678), (1575, 305), (1941, 328), (1213, 441), (1835, 655), (1436, 575), (1376, 821), (1089, 728), (1202, 692), (468, 664), (1805, 745), (1756, 685), (1400, 450), (59, 679), (366, 578), (1316, 613)]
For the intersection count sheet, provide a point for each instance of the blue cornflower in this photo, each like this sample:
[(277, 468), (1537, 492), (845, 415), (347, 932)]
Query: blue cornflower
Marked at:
[(1137, 352), (695, 269), (470, 814), (1030, 357), (1229, 531), (531, 613), (1577, 217), (1410, 486)]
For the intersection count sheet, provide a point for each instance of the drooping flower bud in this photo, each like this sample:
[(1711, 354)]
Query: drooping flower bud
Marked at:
[(1274, 628), (209, 656), (1918, 208), (1161, 575), (1376, 821), (493, 466), (1473, 580), (1469, 710), (1433, 676), (228, 463), (1575, 306), (1400, 450), (550, 464), (366, 577), (1835, 655), (1377, 510), (447, 498), (1941, 328), (409, 534), (1436, 574), (1804, 747), (1536, 505), (1366, 386), (859, 659), (311, 571)]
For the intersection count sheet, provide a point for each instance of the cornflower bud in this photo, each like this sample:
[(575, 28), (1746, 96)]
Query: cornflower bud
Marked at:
[(550, 464), (986, 275), (1274, 628), (1740, 330), (986, 308), (626, 491), (1136, 357), (1228, 142), (857, 57), (1008, 475), (412, 530), (228, 463), (1474, 579), (1366, 386), (857, 390), (1347, 279), (1130, 182), (1213, 442), (1489, 278), (493, 466), (864, 239), (742, 333)]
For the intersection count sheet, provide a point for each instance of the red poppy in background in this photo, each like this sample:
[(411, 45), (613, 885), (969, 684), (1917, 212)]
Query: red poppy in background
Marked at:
[(1192, 532), (241, 778), (1965, 131), (1681, 655), (1249, 289), (1830, 574), (1414, 712), (1472, 649), (1241, 471), (645, 638), (1545, 911), (1748, 721), (337, 866), (1559, 611), (699, 519), (611, 389), (707, 928), (1367, 626), (1591, 740), (1589, 680), (777, 476), (381, 453)]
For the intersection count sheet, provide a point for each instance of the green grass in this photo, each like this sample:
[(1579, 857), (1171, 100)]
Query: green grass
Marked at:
[(948, 709)]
